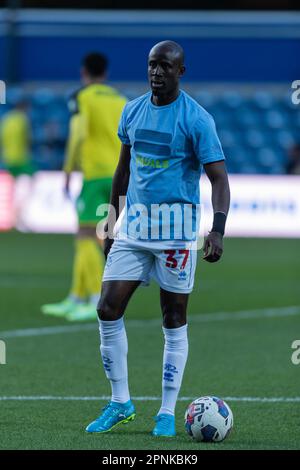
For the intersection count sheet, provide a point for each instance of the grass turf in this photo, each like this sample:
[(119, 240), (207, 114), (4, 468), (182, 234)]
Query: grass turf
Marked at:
[(249, 357)]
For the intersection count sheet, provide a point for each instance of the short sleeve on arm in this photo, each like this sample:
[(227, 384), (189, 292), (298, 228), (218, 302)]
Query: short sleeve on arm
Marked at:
[(122, 130), (207, 145)]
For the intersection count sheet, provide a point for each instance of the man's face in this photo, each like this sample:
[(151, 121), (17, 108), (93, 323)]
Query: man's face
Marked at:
[(164, 71)]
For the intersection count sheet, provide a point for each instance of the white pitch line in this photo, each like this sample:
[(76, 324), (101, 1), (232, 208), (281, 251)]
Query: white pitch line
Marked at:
[(48, 330), (221, 316), (200, 318), (146, 398)]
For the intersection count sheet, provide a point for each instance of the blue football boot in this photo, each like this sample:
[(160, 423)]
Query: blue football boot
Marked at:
[(112, 414), (165, 426)]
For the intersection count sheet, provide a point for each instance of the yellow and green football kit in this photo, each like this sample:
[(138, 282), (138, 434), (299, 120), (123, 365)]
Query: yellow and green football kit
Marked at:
[(15, 138), (94, 146)]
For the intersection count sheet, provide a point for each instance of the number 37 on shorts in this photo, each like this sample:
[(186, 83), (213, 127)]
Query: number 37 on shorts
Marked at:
[(179, 269), (172, 258), (173, 269)]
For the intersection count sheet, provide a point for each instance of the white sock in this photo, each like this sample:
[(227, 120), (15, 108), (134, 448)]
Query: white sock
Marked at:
[(114, 349), (175, 356)]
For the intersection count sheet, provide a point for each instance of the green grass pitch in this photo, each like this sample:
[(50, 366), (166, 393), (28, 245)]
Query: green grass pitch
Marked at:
[(229, 356)]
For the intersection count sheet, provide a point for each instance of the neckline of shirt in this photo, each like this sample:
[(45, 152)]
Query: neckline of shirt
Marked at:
[(165, 105)]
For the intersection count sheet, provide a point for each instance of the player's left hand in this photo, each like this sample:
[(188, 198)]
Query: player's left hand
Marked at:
[(213, 247)]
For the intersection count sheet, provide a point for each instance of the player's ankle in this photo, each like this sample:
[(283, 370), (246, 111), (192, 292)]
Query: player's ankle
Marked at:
[(166, 411)]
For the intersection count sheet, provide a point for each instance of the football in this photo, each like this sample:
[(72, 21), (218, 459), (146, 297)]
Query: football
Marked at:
[(208, 419)]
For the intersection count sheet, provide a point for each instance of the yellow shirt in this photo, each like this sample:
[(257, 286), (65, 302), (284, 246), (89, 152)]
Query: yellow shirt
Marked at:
[(15, 138), (93, 142)]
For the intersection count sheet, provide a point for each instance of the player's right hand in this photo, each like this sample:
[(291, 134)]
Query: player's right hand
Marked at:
[(108, 240), (107, 246)]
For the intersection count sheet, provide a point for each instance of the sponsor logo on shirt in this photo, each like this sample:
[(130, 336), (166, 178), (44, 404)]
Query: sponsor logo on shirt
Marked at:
[(151, 162)]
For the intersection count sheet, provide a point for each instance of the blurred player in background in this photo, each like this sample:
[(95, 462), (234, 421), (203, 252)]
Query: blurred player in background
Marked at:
[(15, 139), (93, 148)]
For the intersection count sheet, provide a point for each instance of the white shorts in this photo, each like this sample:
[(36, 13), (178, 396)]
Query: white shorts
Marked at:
[(172, 269)]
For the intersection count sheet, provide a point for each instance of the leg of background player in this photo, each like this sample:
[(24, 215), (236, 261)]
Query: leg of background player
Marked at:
[(87, 274), (88, 266), (78, 293)]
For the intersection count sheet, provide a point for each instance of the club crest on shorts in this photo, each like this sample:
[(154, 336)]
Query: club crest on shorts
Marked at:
[(182, 275)]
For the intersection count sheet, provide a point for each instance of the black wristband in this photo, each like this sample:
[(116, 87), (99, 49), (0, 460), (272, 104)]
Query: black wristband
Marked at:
[(219, 222)]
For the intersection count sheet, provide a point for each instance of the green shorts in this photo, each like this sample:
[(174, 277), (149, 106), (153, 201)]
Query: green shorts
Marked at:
[(17, 170), (93, 193)]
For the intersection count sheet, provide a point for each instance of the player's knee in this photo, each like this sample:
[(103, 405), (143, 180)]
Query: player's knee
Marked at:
[(174, 317), (107, 309)]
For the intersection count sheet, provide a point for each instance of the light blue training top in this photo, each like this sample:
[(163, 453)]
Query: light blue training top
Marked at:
[(169, 145)]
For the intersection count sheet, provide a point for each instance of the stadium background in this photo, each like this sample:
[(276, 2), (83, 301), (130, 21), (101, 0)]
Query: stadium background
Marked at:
[(244, 311)]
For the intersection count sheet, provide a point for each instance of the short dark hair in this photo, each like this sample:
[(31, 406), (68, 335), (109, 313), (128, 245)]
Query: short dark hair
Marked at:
[(95, 64)]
